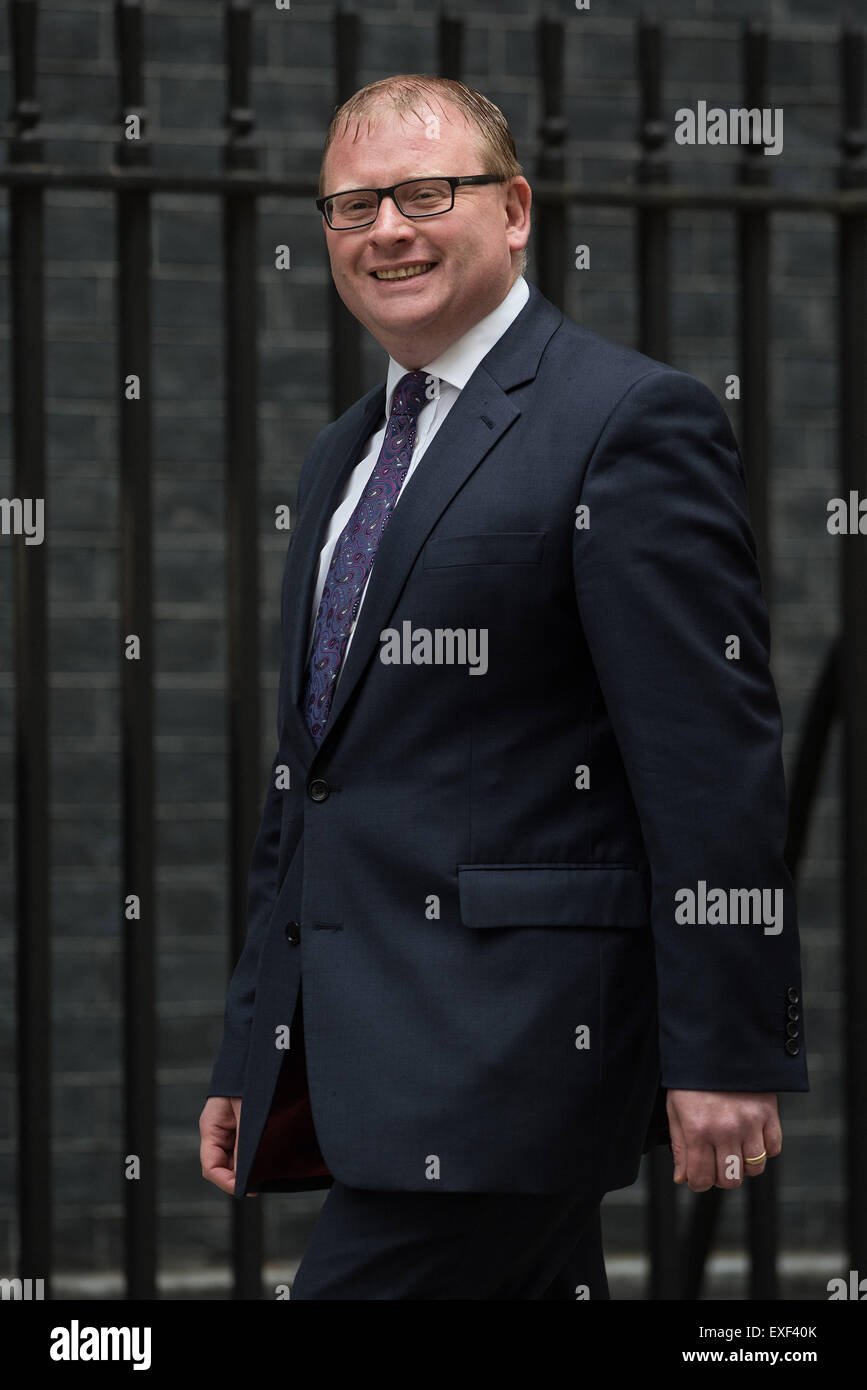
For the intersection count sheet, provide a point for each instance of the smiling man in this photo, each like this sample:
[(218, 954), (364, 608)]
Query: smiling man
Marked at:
[(474, 883), (419, 283)]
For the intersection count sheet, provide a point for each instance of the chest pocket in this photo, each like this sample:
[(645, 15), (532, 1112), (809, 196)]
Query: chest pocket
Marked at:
[(494, 548)]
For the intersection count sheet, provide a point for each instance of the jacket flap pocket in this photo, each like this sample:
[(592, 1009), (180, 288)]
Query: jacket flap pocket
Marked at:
[(553, 895), (496, 548)]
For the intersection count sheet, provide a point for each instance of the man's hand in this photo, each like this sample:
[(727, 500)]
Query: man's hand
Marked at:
[(218, 1125), (713, 1133)]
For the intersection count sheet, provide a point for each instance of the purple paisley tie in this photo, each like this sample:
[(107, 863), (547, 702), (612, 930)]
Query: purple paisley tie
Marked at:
[(352, 559)]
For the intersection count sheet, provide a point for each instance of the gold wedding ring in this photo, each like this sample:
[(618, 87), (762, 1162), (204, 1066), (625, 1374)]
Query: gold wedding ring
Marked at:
[(762, 1156)]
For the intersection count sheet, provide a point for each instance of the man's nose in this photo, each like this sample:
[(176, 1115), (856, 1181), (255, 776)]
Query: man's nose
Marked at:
[(389, 217)]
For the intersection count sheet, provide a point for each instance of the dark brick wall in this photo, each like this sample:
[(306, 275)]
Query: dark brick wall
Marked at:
[(293, 99)]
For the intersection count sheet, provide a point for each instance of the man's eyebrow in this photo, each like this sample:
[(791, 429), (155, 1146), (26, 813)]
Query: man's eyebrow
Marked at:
[(429, 174)]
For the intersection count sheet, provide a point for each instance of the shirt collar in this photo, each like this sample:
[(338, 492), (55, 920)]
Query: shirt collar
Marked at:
[(460, 359)]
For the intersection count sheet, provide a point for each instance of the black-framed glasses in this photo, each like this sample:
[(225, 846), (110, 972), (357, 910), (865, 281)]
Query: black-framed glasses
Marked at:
[(358, 207)]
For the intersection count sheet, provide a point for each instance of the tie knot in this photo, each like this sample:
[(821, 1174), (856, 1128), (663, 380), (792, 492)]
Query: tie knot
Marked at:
[(410, 394)]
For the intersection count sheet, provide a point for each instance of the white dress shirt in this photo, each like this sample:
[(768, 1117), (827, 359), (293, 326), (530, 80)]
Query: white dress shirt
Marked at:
[(453, 369)]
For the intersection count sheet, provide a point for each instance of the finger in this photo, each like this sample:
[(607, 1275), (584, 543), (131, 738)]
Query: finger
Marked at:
[(752, 1149), (214, 1158), (678, 1149), (235, 1153), (730, 1166), (221, 1177), (221, 1129), (215, 1146), (773, 1138), (701, 1165)]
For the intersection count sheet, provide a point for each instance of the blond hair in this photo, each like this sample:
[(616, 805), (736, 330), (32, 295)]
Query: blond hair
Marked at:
[(412, 92)]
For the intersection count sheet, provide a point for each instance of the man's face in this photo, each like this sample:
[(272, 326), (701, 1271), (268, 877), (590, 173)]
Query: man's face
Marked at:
[(468, 249)]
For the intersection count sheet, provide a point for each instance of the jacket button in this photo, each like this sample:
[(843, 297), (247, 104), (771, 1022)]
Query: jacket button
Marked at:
[(793, 1012), (792, 995), (319, 790), (792, 1030), (293, 933), (792, 1047)]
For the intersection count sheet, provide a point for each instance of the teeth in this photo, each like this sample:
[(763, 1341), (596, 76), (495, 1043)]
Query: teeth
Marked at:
[(404, 274)]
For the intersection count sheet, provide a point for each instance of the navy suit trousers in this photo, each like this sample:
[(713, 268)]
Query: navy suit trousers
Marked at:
[(453, 1245)]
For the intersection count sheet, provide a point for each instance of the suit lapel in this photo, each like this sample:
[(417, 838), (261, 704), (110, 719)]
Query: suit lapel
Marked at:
[(478, 419), (457, 448)]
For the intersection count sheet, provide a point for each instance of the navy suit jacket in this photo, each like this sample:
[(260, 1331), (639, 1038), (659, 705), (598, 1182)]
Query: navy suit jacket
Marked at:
[(498, 985)]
